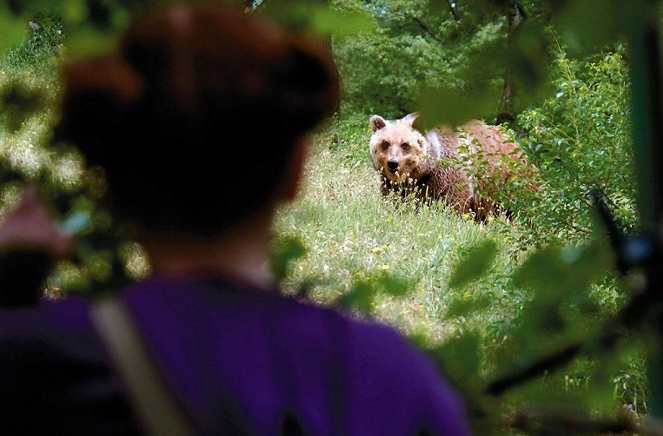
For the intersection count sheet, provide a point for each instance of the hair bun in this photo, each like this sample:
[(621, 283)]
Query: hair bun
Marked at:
[(190, 82), (98, 94)]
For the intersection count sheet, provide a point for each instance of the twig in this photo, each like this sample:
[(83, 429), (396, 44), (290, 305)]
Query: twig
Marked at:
[(634, 313), (427, 29), (517, 18), (547, 363), (453, 10), (532, 417)]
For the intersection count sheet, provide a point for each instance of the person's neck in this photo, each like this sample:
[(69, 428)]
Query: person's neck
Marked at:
[(242, 253)]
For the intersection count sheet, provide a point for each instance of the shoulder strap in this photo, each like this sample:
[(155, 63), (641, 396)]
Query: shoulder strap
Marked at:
[(153, 402)]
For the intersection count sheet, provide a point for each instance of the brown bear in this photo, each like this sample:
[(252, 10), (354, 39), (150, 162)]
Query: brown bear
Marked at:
[(462, 166)]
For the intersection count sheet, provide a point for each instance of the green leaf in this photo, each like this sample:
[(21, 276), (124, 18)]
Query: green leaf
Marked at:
[(317, 18), (18, 102), (325, 21), (360, 297), (74, 12), (555, 272), (453, 107), (528, 65), (284, 252), (587, 24), (474, 264), (90, 41), (465, 306), (394, 286), (460, 360), (12, 28)]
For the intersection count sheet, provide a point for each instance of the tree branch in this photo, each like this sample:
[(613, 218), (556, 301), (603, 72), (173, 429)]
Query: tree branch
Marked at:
[(636, 312), (547, 363), (517, 18), (564, 418), (427, 29), (453, 10)]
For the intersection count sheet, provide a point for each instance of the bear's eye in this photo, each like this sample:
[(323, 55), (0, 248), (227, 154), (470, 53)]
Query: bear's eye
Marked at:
[(384, 145), (405, 146)]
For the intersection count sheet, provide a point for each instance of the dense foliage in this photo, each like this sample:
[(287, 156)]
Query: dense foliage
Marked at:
[(579, 139)]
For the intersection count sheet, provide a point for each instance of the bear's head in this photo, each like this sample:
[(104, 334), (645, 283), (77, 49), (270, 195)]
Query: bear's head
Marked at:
[(396, 148)]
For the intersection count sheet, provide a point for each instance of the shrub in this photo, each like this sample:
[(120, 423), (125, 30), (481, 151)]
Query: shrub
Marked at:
[(579, 140)]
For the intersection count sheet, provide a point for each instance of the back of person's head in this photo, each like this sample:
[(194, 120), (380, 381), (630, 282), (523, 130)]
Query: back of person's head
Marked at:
[(196, 116)]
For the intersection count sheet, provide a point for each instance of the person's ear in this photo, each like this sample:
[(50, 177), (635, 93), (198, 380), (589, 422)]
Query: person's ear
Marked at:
[(295, 171)]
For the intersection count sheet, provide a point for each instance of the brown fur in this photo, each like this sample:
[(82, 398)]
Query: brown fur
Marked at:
[(429, 161)]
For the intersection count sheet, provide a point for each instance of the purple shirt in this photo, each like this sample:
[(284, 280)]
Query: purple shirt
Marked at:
[(240, 360)]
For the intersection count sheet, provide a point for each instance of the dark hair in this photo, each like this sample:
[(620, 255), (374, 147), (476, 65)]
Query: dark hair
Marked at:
[(189, 81)]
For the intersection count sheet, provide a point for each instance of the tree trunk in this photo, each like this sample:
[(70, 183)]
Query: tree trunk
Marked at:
[(516, 19)]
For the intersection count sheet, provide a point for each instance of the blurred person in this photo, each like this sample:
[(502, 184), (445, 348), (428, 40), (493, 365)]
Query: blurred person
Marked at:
[(200, 121)]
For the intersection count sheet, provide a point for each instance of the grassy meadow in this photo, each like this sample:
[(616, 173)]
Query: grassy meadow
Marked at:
[(353, 237), (353, 234)]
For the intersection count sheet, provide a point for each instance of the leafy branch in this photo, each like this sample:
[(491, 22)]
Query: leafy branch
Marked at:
[(426, 28)]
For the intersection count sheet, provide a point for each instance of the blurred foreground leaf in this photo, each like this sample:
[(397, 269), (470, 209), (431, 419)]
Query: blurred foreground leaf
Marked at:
[(454, 107), (18, 103), (74, 12), (317, 18), (474, 264), (363, 291), (12, 28), (529, 64), (360, 297), (460, 360), (465, 306), (561, 312), (555, 271), (585, 25), (394, 286), (284, 252), (90, 41)]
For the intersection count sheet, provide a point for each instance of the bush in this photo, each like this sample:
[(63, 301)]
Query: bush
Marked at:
[(416, 46), (580, 142), (44, 41)]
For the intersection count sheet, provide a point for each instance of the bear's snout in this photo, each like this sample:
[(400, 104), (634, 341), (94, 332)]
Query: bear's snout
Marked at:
[(392, 165)]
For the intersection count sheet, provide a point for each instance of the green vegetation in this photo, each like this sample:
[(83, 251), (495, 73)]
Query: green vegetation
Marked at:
[(487, 300), (104, 258), (355, 240)]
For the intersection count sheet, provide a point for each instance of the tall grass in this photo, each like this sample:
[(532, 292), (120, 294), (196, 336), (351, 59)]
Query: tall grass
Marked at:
[(353, 233)]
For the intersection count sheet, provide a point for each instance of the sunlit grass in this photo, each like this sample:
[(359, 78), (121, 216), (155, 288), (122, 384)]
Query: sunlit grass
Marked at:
[(25, 147), (352, 233)]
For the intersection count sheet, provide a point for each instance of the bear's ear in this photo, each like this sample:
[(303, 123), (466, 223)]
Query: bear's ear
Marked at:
[(377, 123), (411, 118)]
